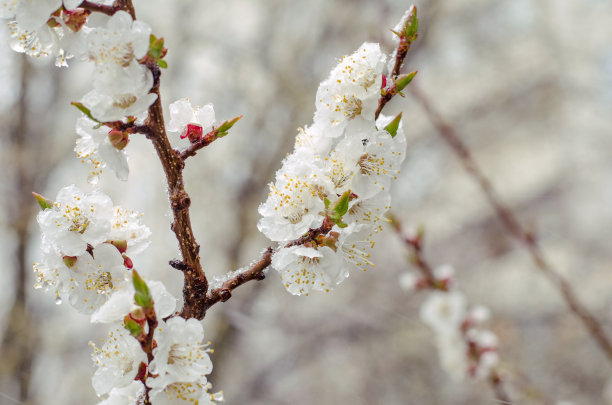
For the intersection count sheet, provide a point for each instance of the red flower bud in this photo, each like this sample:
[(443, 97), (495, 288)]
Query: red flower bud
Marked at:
[(127, 262)]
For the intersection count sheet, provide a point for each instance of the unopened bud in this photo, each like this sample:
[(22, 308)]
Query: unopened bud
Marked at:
[(69, 261), (118, 139), (138, 315), (127, 262), (121, 245)]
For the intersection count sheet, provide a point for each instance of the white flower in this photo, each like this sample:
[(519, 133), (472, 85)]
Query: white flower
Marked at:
[(312, 141), (94, 148), (126, 225), (122, 303), (444, 311), (119, 43), (453, 351), (352, 89), (43, 41), (479, 314), (96, 278), (355, 243), (295, 200), (369, 211), (180, 356), (409, 280), (304, 268), (120, 92), (51, 272), (187, 393), (76, 219), (30, 14), (117, 360), (130, 395), (182, 115), (378, 162)]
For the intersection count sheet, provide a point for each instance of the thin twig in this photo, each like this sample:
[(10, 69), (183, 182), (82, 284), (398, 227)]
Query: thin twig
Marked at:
[(416, 246), (99, 8), (510, 222), (206, 140)]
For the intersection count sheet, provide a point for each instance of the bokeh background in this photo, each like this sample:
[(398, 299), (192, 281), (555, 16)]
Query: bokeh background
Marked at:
[(527, 85)]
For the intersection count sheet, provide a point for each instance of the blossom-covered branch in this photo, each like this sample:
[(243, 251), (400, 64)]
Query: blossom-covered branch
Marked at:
[(324, 209), (465, 349), (513, 226)]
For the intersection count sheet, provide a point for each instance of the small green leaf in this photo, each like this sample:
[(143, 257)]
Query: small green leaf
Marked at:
[(133, 327), (226, 125), (44, 203), (412, 24), (341, 206), (142, 295), (326, 202), (403, 81), (393, 126), (162, 64), (85, 111)]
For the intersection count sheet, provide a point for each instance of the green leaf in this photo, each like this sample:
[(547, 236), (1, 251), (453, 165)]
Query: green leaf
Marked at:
[(133, 327), (85, 111), (393, 126), (341, 206), (326, 202), (226, 126), (44, 203), (142, 295), (162, 64), (412, 24), (403, 81)]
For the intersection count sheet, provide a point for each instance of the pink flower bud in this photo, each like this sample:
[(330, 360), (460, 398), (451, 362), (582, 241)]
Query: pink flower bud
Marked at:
[(118, 139), (127, 262)]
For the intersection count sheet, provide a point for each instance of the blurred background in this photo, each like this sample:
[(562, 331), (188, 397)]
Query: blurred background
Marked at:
[(527, 85)]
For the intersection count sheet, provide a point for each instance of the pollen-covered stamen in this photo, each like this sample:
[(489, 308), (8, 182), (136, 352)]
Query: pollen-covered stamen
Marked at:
[(76, 217), (372, 165), (124, 100), (187, 355), (357, 252), (101, 283)]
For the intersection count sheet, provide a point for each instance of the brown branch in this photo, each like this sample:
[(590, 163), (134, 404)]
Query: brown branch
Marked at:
[(195, 284), (206, 140), (118, 5), (416, 246), (400, 54), (510, 222), (100, 8), (255, 272)]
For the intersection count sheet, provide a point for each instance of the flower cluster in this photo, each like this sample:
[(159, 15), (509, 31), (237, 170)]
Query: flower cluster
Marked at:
[(37, 26), (121, 80), (86, 243), (331, 193), (464, 347), (177, 368)]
